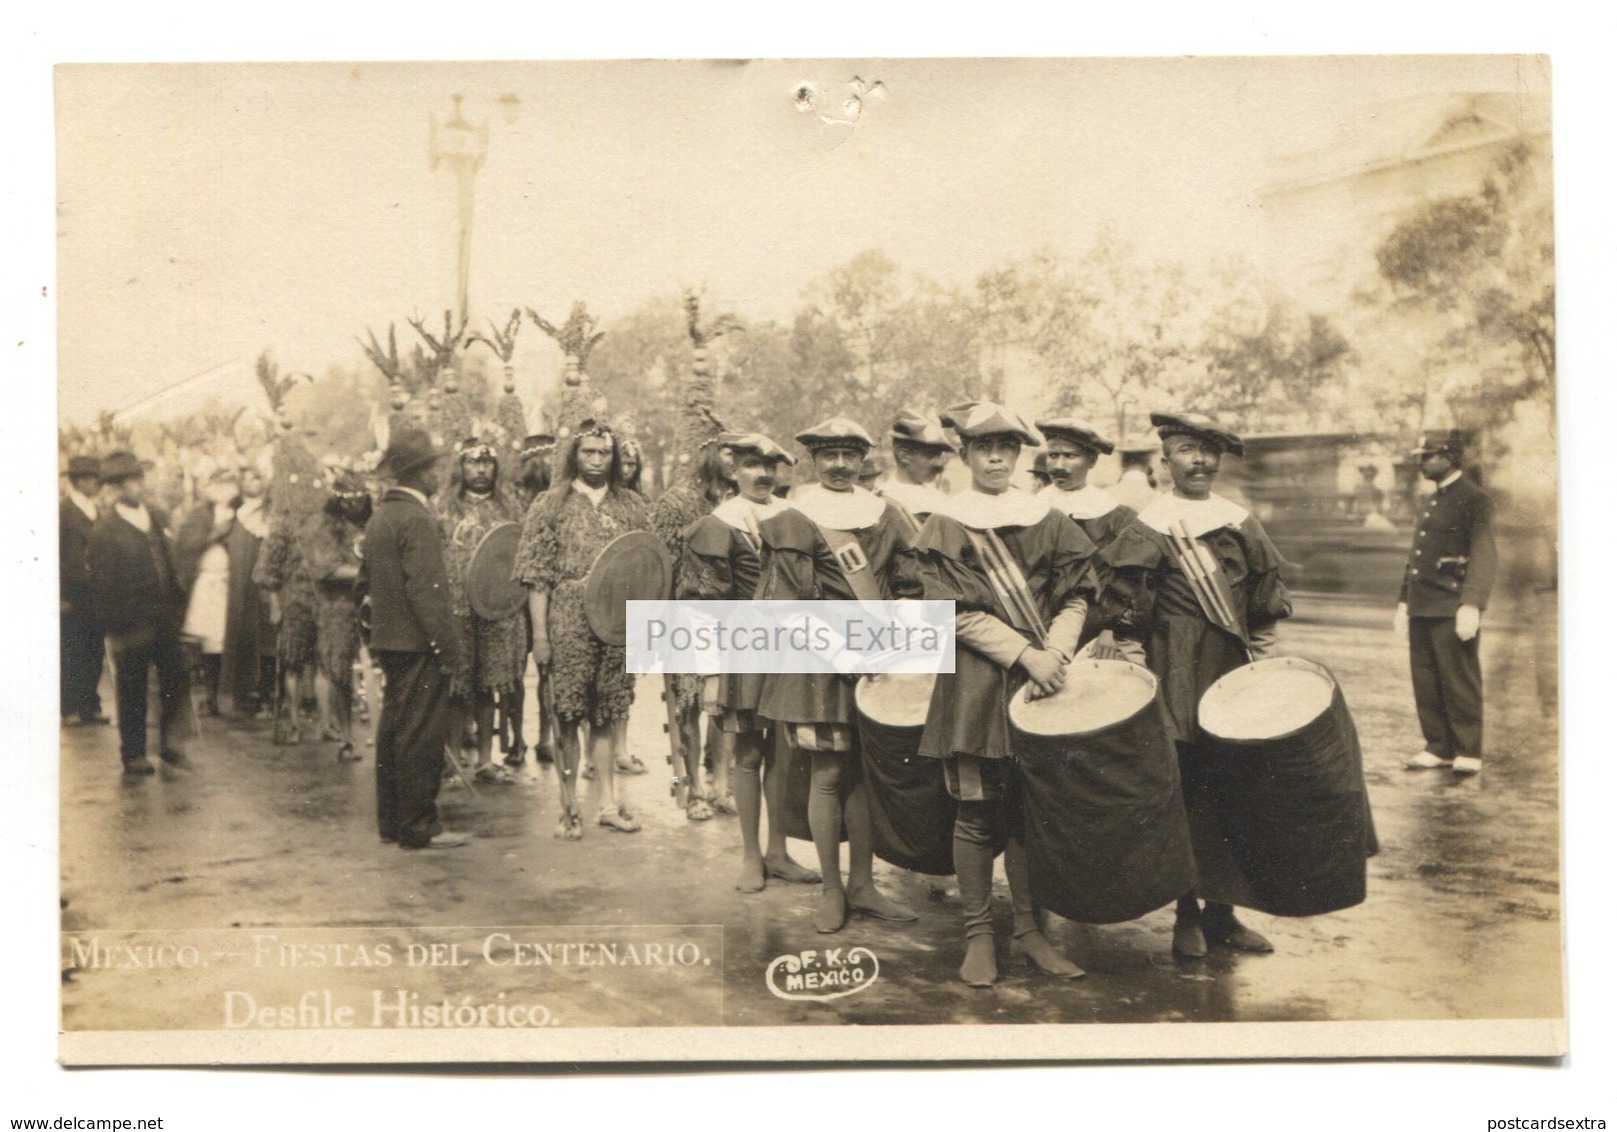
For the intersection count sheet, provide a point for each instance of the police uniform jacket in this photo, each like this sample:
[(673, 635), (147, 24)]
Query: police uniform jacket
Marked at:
[(74, 538), (1453, 560), (404, 575)]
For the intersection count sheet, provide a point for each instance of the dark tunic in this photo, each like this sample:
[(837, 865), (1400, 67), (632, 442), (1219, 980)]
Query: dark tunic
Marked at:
[(336, 603), (968, 714), (720, 562), (795, 565), (496, 651), (675, 510)]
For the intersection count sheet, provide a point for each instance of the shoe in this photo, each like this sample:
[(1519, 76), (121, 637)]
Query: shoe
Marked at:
[(347, 754), (444, 840), (1467, 764), (1038, 953), (1188, 941), (516, 757), (873, 903), (94, 719), (633, 766), (979, 968), (494, 775), (792, 872), (176, 759), (544, 754), (1227, 931), (138, 768), (1427, 761)]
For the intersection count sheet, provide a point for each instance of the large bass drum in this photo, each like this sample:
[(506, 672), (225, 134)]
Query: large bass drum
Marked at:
[(1103, 818), (1278, 757), (910, 807)]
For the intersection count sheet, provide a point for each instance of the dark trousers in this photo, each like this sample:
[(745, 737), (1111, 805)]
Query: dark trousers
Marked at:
[(410, 740), (131, 666), (1447, 674), (83, 648)]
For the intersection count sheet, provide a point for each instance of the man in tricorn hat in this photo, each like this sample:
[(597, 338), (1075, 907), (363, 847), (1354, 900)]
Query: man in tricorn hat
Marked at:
[(921, 450), (566, 527), (83, 646), (835, 541), (496, 651), (1158, 619), (141, 604), (413, 638), (967, 724), (1451, 570)]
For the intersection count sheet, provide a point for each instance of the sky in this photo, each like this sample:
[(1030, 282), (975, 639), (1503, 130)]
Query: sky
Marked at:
[(208, 212)]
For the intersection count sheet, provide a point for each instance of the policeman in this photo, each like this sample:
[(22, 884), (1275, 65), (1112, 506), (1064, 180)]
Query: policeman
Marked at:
[(1451, 570)]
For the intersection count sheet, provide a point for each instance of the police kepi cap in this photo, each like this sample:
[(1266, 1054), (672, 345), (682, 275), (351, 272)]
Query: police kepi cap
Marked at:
[(1082, 432), (1449, 441), (1199, 425)]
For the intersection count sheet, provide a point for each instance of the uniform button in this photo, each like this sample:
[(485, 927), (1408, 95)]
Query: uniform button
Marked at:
[(1417, 554)]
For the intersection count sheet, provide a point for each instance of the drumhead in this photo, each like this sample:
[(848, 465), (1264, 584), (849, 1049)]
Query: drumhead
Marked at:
[(1098, 694), (1266, 699), (896, 699)]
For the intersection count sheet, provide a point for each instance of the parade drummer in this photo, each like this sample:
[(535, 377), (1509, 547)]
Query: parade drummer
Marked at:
[(1452, 564), (496, 651), (1018, 620), (1153, 607), (834, 541), (334, 561), (719, 561), (921, 450), (566, 527)]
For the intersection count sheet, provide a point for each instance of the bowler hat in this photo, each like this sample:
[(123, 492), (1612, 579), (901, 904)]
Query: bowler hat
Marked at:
[(407, 450), (121, 466), (83, 466)]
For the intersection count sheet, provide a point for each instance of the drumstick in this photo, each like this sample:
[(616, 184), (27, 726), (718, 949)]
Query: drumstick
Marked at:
[(1201, 582), (1000, 574)]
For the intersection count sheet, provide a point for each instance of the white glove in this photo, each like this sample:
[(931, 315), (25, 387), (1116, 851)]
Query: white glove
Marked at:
[(1467, 621), (1400, 622)]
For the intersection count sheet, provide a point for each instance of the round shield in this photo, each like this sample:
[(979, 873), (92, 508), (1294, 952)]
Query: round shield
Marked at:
[(632, 567), (490, 590)]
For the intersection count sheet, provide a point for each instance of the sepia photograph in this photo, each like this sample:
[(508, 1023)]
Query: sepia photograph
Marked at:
[(1216, 394)]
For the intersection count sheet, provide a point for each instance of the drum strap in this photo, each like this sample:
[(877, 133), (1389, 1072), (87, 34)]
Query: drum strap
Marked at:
[(1009, 583), (850, 559)]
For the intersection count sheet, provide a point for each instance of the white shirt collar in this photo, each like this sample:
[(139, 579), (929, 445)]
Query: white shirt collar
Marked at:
[(981, 511), (596, 495), (1198, 515), (744, 515), (418, 496), (136, 516), (840, 510), (1087, 502), (251, 516), (917, 498), (1450, 478), (82, 502)]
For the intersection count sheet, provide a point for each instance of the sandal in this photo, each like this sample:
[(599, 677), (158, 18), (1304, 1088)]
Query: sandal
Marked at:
[(725, 803), (699, 810), (588, 773), (620, 819), (494, 774), (570, 826), (346, 754), (634, 766)]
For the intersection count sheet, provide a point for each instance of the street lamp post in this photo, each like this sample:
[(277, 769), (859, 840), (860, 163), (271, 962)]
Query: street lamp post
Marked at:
[(462, 146)]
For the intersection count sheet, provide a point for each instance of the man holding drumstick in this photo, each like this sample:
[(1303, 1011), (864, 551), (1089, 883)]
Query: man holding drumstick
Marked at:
[(1193, 591)]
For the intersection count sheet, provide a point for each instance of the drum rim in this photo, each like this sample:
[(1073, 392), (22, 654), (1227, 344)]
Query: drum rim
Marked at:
[(1274, 661), (1134, 671), (477, 598), (859, 706)]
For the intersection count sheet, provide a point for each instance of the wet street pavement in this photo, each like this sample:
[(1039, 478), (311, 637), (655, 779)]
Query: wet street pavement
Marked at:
[(264, 861)]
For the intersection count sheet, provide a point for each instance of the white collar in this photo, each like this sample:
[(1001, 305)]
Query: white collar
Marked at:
[(596, 495), (1450, 478), (136, 516), (840, 510), (82, 502), (1087, 502), (251, 515), (1198, 515), (744, 515), (419, 496), (983, 512), (917, 498)]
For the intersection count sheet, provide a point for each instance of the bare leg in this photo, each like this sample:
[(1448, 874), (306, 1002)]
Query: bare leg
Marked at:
[(698, 805), (776, 752), (483, 720), (604, 744), (323, 697), (723, 758), (342, 711), (571, 825), (748, 752), (863, 896), (825, 823)]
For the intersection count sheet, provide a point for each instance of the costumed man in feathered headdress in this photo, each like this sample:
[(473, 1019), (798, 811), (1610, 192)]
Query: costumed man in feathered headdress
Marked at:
[(1009, 637), (496, 651), (333, 548), (1152, 607)]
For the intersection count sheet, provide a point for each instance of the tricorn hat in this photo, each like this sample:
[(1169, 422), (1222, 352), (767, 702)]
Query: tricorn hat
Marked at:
[(121, 466), (922, 431), (1080, 432), (975, 419), (1198, 425), (835, 431), (407, 450), (83, 466), (1448, 441)]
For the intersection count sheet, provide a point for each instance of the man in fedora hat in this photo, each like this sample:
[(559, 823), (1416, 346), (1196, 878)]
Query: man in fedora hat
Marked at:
[(1452, 563), (141, 604), (413, 638), (83, 645)]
